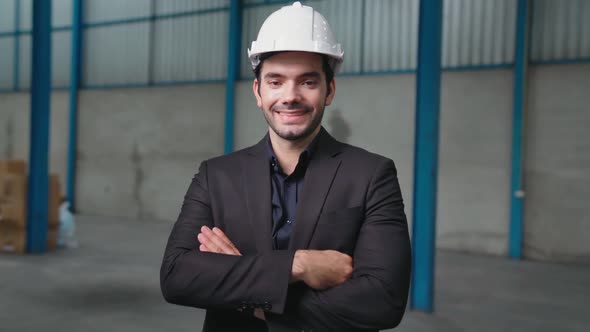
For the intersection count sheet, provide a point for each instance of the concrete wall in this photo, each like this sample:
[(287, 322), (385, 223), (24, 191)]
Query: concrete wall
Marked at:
[(557, 178), (474, 161), (138, 149)]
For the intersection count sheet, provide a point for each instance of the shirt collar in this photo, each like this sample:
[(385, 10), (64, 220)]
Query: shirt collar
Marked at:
[(304, 157)]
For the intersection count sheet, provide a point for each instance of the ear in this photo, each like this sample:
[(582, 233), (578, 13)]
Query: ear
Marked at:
[(331, 92), (255, 86)]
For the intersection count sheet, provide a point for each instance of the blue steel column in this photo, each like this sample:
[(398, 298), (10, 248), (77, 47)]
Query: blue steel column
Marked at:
[(152, 42), (75, 76), (38, 184), (426, 154), (233, 70), (519, 105), (16, 51)]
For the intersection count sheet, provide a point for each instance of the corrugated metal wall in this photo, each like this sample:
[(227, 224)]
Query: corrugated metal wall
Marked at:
[(179, 6), (144, 42), (191, 48), (390, 35), (109, 10), (7, 15), (6, 44), (181, 42), (61, 16), (478, 32), (116, 54), (561, 30), (6, 62)]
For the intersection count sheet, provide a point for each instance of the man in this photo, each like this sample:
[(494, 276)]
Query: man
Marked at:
[(299, 232)]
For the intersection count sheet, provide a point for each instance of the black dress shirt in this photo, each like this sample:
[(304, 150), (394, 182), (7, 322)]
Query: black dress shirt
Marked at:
[(285, 190)]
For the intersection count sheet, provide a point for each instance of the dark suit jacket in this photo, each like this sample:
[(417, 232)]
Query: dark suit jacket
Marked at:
[(351, 202)]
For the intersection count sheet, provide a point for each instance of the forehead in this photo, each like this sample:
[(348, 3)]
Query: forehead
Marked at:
[(293, 63)]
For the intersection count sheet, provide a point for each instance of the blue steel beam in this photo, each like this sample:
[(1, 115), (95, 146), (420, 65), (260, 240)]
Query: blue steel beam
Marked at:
[(426, 154), (518, 109), (38, 184), (151, 42), (363, 48), (233, 71), (142, 19), (16, 51), (75, 76)]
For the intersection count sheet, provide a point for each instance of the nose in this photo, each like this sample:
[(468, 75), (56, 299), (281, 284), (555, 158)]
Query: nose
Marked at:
[(291, 94)]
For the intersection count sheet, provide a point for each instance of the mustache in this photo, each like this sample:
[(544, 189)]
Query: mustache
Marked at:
[(292, 107)]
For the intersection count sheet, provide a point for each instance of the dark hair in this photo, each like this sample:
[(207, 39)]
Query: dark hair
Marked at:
[(326, 67)]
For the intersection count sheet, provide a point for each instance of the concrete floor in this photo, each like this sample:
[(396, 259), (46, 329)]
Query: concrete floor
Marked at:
[(110, 283)]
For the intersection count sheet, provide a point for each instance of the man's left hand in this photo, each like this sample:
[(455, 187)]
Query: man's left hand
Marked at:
[(214, 240)]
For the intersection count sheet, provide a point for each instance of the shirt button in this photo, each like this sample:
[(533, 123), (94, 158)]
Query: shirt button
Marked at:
[(288, 221)]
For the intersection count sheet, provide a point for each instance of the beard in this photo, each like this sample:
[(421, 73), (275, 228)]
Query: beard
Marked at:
[(294, 134)]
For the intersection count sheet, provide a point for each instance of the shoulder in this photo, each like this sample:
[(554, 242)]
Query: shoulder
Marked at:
[(228, 162), (350, 154), (360, 163), (359, 156)]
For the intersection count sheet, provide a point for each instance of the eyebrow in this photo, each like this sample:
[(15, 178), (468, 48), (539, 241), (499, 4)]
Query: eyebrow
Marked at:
[(273, 75), (313, 74)]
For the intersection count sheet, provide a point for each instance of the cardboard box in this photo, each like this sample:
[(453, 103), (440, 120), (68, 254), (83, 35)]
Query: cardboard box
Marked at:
[(13, 187), (14, 239), (55, 198), (52, 239), (13, 199), (13, 213), (13, 167)]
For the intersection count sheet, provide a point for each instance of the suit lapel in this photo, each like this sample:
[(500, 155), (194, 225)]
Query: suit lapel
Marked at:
[(257, 185), (319, 176)]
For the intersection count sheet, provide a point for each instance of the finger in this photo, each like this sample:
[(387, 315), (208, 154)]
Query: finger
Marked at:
[(204, 248), (204, 240), (212, 240), (220, 243), (216, 243), (217, 231), (225, 239)]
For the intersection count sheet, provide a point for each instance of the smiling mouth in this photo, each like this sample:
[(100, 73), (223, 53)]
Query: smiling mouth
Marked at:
[(291, 113)]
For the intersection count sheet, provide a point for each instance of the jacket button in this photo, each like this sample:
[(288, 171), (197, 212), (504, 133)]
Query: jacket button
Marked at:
[(267, 306)]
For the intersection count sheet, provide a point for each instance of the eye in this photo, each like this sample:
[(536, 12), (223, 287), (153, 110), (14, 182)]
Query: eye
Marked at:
[(274, 83), (310, 83)]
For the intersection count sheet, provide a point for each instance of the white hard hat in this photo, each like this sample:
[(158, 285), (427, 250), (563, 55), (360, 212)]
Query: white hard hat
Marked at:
[(296, 28)]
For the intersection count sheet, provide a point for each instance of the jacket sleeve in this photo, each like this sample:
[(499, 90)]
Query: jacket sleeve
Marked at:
[(216, 281), (375, 297)]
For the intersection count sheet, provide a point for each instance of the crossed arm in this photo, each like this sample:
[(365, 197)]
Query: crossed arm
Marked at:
[(318, 269), (213, 274)]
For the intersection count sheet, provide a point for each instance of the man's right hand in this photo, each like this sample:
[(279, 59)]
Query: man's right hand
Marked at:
[(321, 269)]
